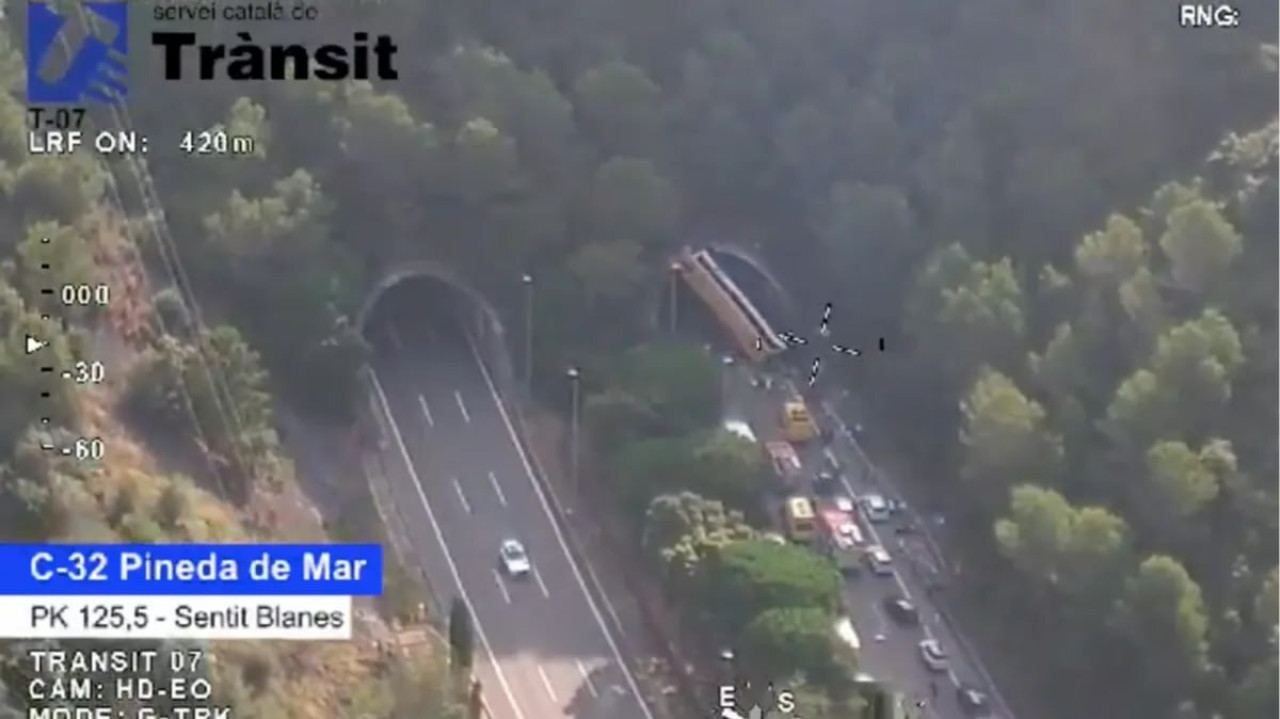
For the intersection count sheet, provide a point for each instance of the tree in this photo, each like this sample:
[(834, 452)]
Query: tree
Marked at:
[(384, 150), (610, 272), (1076, 553), (1196, 362), (680, 384), (59, 188), (815, 702), (723, 85), (1098, 554), (621, 107), (1256, 695), (647, 468), (802, 142), (749, 577), (682, 530), (1108, 258), (1200, 244), (953, 173), (221, 381), (257, 241), (461, 638), (1139, 412), (1062, 373), (630, 198), (730, 469), (1163, 611), (1267, 604), (298, 288), (244, 119), (787, 642), (969, 313), (1037, 533), (1186, 388), (485, 164), (1006, 438), (479, 81), (1183, 481), (868, 230), (240, 378)]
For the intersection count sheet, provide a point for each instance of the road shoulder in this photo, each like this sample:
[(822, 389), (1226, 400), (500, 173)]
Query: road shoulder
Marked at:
[(610, 567)]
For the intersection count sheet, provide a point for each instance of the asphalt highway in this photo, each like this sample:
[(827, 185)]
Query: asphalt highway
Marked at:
[(889, 652), (463, 484)]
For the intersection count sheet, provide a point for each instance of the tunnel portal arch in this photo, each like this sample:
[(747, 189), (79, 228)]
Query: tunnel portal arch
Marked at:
[(743, 258), (487, 323)]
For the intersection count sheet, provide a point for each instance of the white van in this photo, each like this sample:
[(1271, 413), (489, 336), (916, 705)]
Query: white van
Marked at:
[(740, 429)]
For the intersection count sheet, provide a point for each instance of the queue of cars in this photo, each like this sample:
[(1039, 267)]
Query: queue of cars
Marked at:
[(818, 513)]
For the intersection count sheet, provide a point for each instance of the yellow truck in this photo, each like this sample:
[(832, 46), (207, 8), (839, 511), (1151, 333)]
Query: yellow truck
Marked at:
[(799, 519), (797, 423)]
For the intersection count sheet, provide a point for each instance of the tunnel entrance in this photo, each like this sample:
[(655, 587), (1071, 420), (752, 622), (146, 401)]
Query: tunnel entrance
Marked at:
[(419, 318), (758, 285), (419, 309), (682, 312)]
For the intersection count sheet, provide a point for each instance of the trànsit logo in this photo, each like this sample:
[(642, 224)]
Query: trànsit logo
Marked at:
[(96, 73)]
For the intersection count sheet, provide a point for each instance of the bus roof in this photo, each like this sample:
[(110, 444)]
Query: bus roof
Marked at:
[(800, 507)]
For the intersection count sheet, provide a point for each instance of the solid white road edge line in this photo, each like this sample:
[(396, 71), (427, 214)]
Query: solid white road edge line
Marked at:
[(546, 683), (555, 527), (426, 411), (586, 677), (591, 574), (462, 407), (497, 489), (444, 546)]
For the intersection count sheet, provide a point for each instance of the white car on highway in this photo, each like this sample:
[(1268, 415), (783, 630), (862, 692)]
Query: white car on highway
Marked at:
[(515, 561), (876, 508), (933, 655), (880, 561)]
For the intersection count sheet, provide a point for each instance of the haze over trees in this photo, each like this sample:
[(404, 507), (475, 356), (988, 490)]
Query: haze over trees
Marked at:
[(1062, 216)]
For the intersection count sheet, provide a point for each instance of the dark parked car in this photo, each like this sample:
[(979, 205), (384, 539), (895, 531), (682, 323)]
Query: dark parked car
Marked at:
[(902, 610), (825, 484)]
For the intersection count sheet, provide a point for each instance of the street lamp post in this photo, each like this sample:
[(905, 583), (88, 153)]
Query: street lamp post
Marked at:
[(528, 330), (673, 299), (574, 381), (726, 366)]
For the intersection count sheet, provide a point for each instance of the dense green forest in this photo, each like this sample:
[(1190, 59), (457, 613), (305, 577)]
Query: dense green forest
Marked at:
[(1063, 214)]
